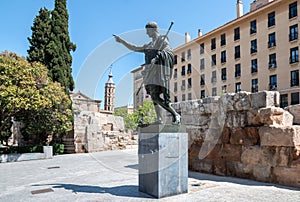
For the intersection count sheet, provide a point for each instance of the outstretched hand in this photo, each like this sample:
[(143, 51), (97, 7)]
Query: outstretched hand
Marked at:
[(118, 39)]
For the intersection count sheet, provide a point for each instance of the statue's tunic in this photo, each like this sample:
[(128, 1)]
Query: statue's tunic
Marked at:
[(158, 75)]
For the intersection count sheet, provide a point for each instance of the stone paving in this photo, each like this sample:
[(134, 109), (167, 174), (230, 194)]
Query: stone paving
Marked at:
[(113, 176)]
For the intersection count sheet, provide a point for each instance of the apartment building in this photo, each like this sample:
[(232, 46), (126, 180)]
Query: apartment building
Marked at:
[(139, 97), (256, 51)]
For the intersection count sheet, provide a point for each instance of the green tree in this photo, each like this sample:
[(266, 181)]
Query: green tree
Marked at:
[(145, 113), (41, 30), (27, 94), (58, 56)]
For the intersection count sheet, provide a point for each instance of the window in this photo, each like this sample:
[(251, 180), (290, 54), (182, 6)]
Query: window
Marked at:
[(254, 86), (182, 70), (272, 40), (189, 70), (223, 74), (175, 99), (183, 85), (253, 27), (238, 70), (190, 96), (293, 32), (175, 87), (213, 60), (189, 54), (189, 82), (284, 100), (202, 63), (293, 10), (175, 59), (213, 43), (182, 56), (223, 40), (214, 91), (237, 52), (202, 48), (295, 78), (214, 77), (175, 73), (223, 56), (294, 55), (202, 94), (183, 97), (272, 61), (236, 34), (273, 82), (224, 89), (253, 66), (294, 98), (202, 79), (253, 46), (238, 87), (271, 19)]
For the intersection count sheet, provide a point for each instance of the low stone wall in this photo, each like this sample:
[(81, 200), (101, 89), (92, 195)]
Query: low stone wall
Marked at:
[(47, 154), (243, 135), (94, 131)]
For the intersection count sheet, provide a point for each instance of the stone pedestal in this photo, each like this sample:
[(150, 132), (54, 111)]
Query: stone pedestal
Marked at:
[(163, 160)]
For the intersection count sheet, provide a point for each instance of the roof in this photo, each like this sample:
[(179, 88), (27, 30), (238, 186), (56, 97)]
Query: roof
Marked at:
[(230, 23)]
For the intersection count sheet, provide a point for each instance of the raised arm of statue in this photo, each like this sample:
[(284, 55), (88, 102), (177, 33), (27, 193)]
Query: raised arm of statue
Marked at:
[(129, 45)]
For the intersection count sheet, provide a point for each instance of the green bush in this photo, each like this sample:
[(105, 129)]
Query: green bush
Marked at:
[(58, 149), (20, 150)]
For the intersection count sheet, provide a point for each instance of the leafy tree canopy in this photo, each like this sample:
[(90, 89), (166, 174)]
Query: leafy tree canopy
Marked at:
[(28, 95)]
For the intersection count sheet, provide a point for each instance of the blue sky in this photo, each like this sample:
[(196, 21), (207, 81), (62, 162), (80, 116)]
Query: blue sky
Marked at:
[(92, 23)]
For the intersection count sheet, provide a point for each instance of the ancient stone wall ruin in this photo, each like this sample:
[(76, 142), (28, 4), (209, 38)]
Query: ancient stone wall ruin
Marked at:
[(244, 135), (95, 131)]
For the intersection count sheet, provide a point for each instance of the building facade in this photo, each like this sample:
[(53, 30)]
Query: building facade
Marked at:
[(256, 51), (139, 95)]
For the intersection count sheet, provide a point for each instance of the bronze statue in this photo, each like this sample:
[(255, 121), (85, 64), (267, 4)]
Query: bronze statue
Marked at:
[(159, 61)]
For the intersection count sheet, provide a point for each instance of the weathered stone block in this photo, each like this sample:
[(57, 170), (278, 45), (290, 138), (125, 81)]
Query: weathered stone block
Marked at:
[(277, 136), (244, 136), (238, 169), (251, 155), (286, 176), (262, 173), (201, 165), (295, 111), (264, 99), (275, 116)]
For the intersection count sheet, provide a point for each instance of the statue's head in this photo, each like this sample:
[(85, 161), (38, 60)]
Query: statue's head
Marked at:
[(151, 27)]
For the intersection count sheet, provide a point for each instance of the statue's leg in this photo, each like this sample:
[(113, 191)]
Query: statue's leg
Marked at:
[(159, 113), (167, 106)]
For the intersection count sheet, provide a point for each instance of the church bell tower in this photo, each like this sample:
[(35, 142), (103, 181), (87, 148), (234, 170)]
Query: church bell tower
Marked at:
[(109, 97)]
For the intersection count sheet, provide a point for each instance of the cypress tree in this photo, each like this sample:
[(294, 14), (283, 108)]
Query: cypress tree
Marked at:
[(58, 57), (40, 36)]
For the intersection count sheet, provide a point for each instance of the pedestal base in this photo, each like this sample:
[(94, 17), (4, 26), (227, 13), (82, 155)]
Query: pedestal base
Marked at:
[(163, 160)]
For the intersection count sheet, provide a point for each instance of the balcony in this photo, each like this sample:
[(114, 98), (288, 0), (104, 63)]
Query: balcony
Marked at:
[(294, 82), (273, 86), (293, 37), (272, 65), (294, 60), (254, 89), (271, 44)]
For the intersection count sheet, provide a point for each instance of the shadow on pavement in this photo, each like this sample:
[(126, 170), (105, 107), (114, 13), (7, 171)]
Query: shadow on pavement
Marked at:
[(133, 166), (125, 190)]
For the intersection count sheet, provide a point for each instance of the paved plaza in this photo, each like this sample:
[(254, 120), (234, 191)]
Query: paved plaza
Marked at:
[(113, 176)]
